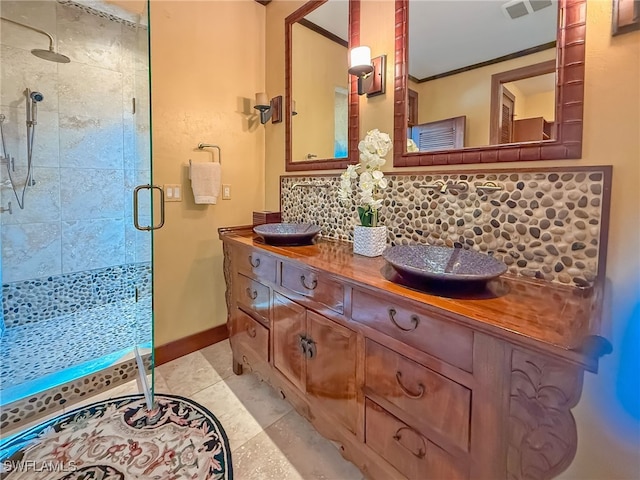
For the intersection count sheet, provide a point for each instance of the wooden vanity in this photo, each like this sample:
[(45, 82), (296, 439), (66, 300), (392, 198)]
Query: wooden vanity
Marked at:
[(454, 385)]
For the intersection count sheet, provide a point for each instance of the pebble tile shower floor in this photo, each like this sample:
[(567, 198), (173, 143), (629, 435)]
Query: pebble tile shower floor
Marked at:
[(35, 350)]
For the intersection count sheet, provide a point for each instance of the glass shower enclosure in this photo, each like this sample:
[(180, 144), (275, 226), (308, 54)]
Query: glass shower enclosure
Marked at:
[(76, 273)]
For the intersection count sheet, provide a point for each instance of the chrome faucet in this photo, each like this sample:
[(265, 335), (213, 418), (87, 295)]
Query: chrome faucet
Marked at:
[(442, 187), (459, 186), (310, 184)]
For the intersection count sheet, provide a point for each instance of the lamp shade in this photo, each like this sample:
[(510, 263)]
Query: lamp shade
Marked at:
[(262, 99), (360, 61)]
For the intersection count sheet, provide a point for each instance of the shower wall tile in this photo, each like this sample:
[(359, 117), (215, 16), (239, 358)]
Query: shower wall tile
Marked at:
[(137, 136), (135, 50), (133, 178), (32, 301), (113, 284), (138, 243), (91, 193), (39, 14), (81, 133), (96, 95), (91, 244), (91, 142), (32, 251), (77, 33), (21, 70), (42, 200), (45, 145)]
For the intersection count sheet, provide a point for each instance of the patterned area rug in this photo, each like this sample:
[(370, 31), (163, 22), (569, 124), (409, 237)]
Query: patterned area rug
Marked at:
[(120, 439)]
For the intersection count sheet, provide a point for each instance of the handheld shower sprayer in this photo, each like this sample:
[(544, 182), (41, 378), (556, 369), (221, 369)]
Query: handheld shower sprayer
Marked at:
[(35, 98)]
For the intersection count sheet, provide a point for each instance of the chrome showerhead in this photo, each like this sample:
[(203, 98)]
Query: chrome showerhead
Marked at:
[(50, 55)]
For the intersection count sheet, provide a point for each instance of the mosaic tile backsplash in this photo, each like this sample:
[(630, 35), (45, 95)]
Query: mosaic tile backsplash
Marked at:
[(542, 224), (42, 299)]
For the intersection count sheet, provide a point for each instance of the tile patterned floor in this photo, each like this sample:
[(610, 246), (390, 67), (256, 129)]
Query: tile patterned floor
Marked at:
[(268, 439)]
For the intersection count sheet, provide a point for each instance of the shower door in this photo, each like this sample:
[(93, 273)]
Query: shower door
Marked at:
[(76, 273)]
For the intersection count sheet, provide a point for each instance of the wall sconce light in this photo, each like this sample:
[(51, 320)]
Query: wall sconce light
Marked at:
[(293, 108), (269, 109), (370, 72)]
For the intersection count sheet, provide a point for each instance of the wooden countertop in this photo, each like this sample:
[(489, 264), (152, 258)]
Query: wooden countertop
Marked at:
[(561, 320)]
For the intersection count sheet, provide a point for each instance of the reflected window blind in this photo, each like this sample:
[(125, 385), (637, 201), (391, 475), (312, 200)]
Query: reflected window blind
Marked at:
[(439, 138), (441, 135), (505, 131)]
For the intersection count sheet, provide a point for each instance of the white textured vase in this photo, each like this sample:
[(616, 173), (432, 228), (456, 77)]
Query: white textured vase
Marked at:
[(369, 241)]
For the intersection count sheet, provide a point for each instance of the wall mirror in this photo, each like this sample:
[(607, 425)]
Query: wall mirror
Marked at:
[(485, 81), (321, 100)]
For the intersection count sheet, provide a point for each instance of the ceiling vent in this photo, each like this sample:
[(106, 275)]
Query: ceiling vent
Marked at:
[(519, 8)]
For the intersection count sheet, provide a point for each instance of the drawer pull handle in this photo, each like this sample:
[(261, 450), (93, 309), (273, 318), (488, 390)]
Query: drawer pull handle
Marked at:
[(421, 451), (255, 264), (415, 320), (251, 331), (311, 348), (307, 346), (408, 392), (302, 342), (251, 294), (314, 283)]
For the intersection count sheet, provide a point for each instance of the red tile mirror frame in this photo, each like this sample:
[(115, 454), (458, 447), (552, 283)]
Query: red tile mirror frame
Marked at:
[(570, 58)]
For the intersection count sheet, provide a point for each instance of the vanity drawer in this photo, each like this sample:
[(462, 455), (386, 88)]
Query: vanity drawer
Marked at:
[(309, 284), (447, 341), (254, 263), (427, 397), (254, 296), (409, 452), (250, 335)]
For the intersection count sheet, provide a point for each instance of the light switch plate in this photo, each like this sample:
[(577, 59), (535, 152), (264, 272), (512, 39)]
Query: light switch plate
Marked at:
[(172, 192), (226, 191)]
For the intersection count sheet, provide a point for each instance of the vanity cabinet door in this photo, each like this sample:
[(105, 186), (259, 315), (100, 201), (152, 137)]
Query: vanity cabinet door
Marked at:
[(331, 368), (288, 331)]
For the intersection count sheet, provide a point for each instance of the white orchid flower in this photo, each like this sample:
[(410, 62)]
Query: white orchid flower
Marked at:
[(373, 148)]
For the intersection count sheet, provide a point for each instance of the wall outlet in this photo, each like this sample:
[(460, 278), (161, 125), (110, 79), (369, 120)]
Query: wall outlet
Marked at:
[(172, 192), (226, 191)]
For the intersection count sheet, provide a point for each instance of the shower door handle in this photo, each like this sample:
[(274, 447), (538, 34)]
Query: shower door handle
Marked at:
[(136, 222)]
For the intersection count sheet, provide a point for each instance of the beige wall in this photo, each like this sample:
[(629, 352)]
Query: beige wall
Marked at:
[(608, 436), (540, 105), (207, 64), (468, 93), (319, 65)]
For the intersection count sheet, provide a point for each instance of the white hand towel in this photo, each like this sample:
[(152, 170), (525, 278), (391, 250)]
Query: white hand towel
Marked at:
[(205, 182)]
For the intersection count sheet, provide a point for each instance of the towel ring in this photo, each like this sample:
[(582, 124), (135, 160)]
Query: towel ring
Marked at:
[(209, 145)]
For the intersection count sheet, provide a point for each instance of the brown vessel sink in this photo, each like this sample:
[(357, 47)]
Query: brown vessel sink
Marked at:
[(287, 234)]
